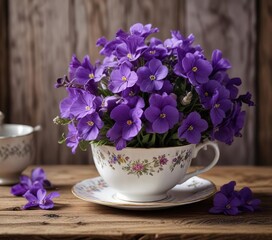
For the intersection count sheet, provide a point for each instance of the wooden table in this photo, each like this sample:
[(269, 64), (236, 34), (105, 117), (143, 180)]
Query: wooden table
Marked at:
[(73, 218)]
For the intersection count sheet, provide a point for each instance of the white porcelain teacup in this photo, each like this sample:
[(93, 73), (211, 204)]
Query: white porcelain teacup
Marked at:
[(16, 151), (147, 174)]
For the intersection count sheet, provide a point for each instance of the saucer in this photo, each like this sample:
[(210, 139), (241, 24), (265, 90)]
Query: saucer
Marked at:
[(97, 191)]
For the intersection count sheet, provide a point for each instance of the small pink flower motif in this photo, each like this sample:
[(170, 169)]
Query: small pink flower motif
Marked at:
[(163, 160), (138, 167)]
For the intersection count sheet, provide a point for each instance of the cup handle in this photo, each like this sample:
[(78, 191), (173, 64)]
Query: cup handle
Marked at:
[(207, 168)]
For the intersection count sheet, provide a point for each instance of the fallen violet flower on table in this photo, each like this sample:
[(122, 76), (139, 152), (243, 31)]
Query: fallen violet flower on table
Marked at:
[(40, 200), (32, 189), (36, 181), (248, 204), (231, 202)]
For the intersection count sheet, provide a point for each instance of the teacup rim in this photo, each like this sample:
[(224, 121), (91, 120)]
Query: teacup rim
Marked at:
[(17, 135), (141, 148)]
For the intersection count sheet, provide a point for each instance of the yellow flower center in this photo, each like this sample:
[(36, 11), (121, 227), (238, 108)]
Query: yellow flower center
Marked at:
[(87, 108), (90, 123), (162, 115), (152, 52), (91, 75), (194, 69), (124, 78), (129, 56), (129, 122), (191, 128), (217, 105), (206, 94), (152, 77)]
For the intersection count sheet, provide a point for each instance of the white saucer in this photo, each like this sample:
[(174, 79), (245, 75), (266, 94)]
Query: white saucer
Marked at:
[(97, 191)]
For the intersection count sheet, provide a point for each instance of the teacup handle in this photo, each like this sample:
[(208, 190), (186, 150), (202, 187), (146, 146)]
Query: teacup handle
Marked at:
[(207, 168)]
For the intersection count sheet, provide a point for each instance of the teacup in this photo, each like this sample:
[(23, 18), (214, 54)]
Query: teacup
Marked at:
[(16, 151), (147, 174)]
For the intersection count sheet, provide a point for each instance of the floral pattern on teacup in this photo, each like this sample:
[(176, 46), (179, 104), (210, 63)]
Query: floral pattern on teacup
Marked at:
[(19, 150), (141, 167)]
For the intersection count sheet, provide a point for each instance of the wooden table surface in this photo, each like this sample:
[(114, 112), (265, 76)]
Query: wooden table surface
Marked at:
[(73, 218)]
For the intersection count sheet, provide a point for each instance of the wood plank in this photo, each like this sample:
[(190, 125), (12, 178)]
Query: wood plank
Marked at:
[(231, 27), (40, 52), (264, 81), (73, 218), (4, 83)]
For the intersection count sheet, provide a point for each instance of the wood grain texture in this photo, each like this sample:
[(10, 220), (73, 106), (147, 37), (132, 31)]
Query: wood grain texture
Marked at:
[(73, 218), (4, 84), (265, 82), (231, 27), (43, 37), (40, 51)]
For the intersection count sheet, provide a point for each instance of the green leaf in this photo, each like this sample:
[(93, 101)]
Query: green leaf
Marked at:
[(84, 145), (146, 138), (61, 121), (153, 140), (62, 139)]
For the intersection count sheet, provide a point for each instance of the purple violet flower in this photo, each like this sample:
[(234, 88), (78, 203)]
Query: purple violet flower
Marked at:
[(150, 77), (178, 40), (224, 205), (40, 200), (127, 123), (25, 185), (131, 91), (228, 189), (134, 102), (192, 127), (110, 102), (85, 104), (206, 92), (195, 68), (219, 63), (226, 200), (231, 125), (109, 47), (139, 29), (89, 126), (162, 112), (230, 202), (167, 87), (38, 175), (155, 50), (72, 139), (73, 66), (130, 49), (122, 78), (245, 98), (231, 85), (220, 104), (248, 203), (66, 103), (36, 181), (87, 72)]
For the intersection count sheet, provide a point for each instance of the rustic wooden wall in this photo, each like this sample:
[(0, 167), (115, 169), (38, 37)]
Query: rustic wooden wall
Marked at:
[(230, 26), (264, 121), (44, 34), (4, 83)]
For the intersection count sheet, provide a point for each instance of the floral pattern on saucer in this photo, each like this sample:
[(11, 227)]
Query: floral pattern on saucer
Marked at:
[(97, 191)]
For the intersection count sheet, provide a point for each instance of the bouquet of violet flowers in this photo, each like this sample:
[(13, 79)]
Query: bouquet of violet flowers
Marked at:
[(150, 93)]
